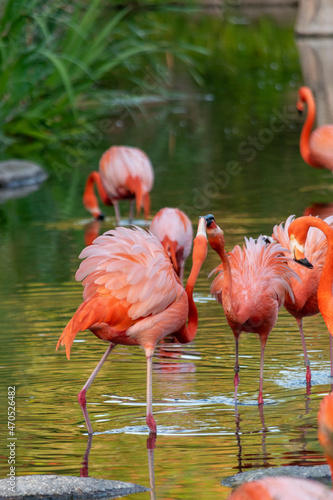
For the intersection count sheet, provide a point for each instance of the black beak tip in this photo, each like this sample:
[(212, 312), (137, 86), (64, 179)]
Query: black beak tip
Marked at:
[(305, 263), (209, 218), (100, 217), (300, 112)]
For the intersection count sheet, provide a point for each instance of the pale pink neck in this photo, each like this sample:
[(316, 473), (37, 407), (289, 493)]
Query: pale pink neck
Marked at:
[(188, 332)]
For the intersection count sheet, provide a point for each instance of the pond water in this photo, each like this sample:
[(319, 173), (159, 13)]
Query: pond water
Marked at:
[(229, 148)]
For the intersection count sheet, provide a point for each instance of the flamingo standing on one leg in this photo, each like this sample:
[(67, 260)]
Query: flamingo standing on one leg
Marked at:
[(251, 285), (174, 230), (124, 173), (132, 296), (298, 233), (304, 303), (317, 147)]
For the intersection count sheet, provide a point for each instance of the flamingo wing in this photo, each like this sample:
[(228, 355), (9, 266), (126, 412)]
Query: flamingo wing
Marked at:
[(126, 277)]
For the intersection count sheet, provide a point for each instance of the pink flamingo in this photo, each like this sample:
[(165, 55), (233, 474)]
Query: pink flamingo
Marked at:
[(251, 285), (124, 173), (298, 232), (304, 301), (317, 147), (174, 230), (132, 296)]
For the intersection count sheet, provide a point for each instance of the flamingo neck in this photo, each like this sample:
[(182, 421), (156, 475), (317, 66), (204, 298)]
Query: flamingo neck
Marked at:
[(90, 201), (304, 144), (188, 332), (216, 241)]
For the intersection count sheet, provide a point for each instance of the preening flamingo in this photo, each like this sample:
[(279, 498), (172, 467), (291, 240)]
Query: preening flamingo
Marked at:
[(317, 147), (298, 233), (174, 230), (290, 488), (251, 285), (305, 302), (124, 173), (132, 296)]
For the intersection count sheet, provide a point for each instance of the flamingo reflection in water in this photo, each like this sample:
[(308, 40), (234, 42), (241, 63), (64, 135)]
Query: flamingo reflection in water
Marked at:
[(290, 488), (132, 296)]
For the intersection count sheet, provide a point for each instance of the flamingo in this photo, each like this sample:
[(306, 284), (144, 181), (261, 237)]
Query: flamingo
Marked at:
[(298, 233), (251, 285), (282, 488), (174, 230), (124, 173), (291, 488), (132, 296), (304, 301), (317, 147)]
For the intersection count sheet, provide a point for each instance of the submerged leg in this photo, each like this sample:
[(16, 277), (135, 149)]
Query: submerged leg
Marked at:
[(82, 394), (263, 341), (236, 368), (306, 360), (149, 411)]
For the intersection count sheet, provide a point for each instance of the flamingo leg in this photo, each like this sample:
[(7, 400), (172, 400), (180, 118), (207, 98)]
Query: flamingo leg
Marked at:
[(149, 411), (263, 341), (82, 394), (236, 368), (131, 210), (117, 212), (150, 450), (306, 359)]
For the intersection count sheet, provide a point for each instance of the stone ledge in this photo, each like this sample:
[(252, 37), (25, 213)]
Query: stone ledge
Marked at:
[(18, 173), (52, 487)]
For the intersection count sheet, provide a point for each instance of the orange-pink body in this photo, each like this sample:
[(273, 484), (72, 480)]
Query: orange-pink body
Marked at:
[(174, 230), (316, 147)]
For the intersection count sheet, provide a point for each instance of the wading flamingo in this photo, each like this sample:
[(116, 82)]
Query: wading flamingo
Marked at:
[(298, 233), (290, 488), (317, 147), (124, 173), (132, 296), (174, 230), (251, 286), (305, 302)]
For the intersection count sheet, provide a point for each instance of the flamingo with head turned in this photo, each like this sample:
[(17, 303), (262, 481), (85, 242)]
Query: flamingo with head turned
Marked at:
[(304, 301), (132, 296), (298, 233), (316, 147), (124, 173), (174, 230), (251, 285)]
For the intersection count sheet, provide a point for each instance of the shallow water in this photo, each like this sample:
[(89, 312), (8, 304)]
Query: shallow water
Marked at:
[(202, 436)]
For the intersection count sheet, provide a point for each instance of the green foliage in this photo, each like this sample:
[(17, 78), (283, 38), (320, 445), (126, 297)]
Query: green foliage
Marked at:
[(61, 64)]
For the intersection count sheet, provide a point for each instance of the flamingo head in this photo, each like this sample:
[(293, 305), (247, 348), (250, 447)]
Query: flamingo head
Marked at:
[(304, 95), (214, 233), (297, 233)]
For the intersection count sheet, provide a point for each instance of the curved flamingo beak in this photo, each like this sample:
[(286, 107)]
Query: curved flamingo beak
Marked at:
[(297, 251)]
